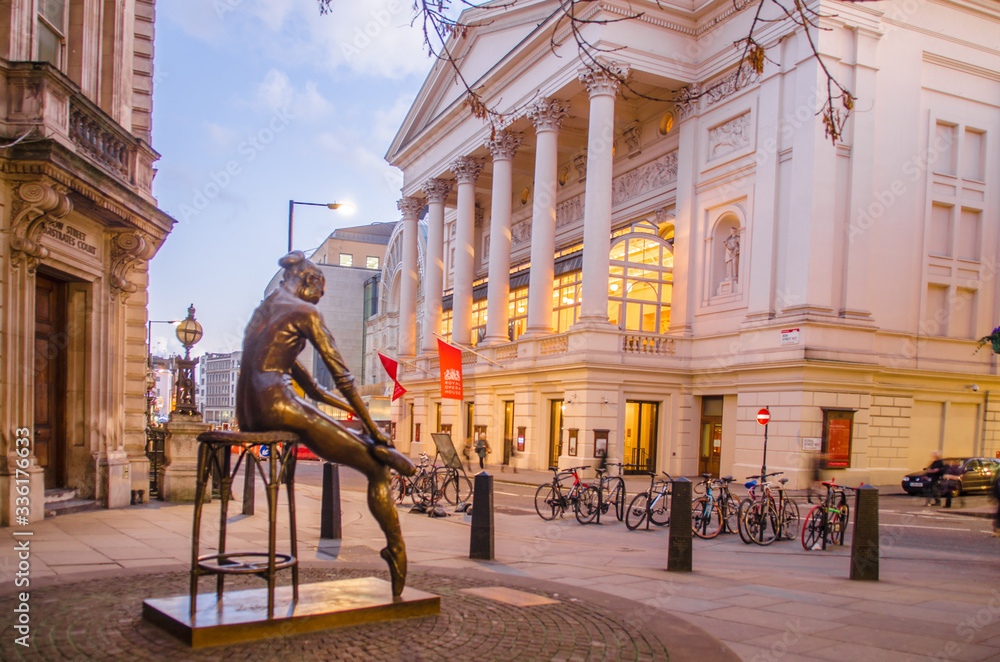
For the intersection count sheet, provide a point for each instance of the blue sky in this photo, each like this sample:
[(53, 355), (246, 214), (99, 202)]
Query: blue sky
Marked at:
[(257, 102)]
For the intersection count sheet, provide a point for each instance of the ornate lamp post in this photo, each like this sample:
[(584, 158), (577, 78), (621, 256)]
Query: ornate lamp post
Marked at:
[(189, 332)]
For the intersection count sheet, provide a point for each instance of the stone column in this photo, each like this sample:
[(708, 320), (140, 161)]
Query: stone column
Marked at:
[(503, 147), (602, 84), (547, 116), (181, 456), (407, 334), (436, 191), (467, 170)]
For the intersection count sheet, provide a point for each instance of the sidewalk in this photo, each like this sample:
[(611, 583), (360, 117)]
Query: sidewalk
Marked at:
[(764, 603)]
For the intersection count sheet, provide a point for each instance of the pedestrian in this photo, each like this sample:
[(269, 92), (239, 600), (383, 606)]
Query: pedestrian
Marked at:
[(950, 483), (467, 453), (482, 448), (816, 477), (934, 471)]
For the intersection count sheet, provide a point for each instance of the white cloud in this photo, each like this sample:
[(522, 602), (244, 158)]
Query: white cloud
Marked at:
[(220, 136), (277, 92), (388, 120)]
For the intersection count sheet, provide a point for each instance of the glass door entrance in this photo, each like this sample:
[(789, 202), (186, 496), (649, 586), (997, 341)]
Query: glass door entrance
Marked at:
[(711, 436), (555, 431), (641, 435), (508, 430)]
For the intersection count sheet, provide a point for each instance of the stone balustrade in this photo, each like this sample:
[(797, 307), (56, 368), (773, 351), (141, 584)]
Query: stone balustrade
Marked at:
[(648, 344)]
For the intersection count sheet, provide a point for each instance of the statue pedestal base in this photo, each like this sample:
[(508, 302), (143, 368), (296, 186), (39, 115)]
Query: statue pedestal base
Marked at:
[(180, 473), (241, 616), (728, 286)]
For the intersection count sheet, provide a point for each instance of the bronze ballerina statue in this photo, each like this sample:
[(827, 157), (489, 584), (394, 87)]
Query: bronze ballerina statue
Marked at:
[(266, 399)]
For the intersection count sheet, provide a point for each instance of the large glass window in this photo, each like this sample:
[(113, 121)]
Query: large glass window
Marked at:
[(478, 321), (640, 280), (52, 31), (565, 301), (446, 324), (517, 312)]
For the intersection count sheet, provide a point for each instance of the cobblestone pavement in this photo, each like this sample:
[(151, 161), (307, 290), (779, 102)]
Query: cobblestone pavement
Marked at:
[(100, 619)]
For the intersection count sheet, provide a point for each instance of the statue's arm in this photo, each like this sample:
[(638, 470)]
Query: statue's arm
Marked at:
[(314, 390), (322, 340)]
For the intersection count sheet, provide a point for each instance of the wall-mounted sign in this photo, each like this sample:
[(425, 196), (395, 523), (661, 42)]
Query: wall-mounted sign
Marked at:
[(789, 336), (69, 236), (812, 443), (838, 429), (520, 439), (601, 443), (574, 435)]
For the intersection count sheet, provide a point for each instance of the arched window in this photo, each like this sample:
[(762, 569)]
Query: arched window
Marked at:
[(641, 278)]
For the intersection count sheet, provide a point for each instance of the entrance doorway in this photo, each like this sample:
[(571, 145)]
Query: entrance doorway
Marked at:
[(555, 431), (711, 436), (641, 435), (508, 430), (51, 343)]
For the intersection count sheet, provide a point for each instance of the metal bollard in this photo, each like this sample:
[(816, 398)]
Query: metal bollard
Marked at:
[(679, 547), (481, 541), (330, 524), (864, 546), (249, 479)]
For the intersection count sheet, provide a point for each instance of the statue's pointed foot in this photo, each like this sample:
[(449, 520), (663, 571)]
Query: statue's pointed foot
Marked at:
[(397, 573), (394, 459)]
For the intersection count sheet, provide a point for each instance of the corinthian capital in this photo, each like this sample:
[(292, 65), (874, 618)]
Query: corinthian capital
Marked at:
[(437, 190), (503, 145), (547, 114), (603, 79), (410, 206), (467, 169)]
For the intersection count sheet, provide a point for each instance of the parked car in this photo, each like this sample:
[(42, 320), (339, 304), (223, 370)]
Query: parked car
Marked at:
[(978, 473), (302, 452)]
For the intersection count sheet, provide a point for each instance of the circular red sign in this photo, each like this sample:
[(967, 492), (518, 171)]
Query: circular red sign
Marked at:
[(763, 416)]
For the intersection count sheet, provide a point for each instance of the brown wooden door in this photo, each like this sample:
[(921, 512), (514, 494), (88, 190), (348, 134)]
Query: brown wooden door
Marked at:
[(50, 379)]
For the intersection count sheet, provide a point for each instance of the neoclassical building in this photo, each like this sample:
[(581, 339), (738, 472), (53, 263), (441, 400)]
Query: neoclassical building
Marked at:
[(643, 275), (78, 225)]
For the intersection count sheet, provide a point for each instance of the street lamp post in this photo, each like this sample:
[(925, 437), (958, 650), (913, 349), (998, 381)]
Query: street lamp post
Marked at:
[(291, 213)]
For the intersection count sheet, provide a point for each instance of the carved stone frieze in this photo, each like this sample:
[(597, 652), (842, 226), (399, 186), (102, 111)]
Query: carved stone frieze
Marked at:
[(437, 190), (729, 85), (504, 144), (520, 232), (35, 204), (479, 215), (127, 248), (547, 114), (729, 137), (580, 163), (569, 211), (687, 103), (467, 169), (645, 178), (410, 206), (633, 139)]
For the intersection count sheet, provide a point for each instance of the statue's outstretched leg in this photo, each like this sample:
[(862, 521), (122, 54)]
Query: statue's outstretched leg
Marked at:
[(383, 507), (393, 459)]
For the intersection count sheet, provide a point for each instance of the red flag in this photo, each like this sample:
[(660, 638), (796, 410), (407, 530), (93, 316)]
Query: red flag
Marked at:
[(450, 358), (390, 367)]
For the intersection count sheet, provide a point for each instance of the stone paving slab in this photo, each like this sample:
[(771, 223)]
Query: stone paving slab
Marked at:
[(100, 619)]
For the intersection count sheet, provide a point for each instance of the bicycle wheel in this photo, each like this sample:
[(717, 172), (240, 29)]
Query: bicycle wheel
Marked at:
[(790, 520), (768, 524), (588, 505), (616, 499), (812, 528), (637, 511), (731, 513), (706, 520), (845, 518), (659, 509), (398, 488), (741, 520), (421, 489), (457, 489), (548, 501)]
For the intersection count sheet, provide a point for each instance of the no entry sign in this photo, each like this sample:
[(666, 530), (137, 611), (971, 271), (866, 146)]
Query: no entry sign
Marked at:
[(763, 416)]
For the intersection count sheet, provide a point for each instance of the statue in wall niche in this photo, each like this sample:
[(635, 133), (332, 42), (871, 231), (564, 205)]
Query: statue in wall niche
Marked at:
[(266, 399), (732, 245)]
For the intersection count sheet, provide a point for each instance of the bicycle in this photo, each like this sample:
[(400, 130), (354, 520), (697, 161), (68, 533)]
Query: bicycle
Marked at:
[(414, 486), (710, 515), (758, 519), (552, 501), (827, 522), (598, 499), (653, 505), (454, 487)]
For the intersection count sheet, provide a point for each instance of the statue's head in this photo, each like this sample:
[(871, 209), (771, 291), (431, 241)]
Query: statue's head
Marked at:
[(302, 277)]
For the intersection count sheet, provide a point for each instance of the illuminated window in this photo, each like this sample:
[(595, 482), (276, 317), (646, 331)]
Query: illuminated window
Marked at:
[(346, 260), (371, 262), (446, 324), (517, 312), (565, 301), (640, 279), (478, 321)]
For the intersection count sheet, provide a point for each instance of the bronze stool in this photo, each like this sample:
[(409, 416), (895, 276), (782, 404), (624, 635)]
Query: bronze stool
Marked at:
[(215, 451)]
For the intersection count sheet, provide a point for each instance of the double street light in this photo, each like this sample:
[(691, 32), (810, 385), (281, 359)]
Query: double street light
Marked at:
[(346, 207)]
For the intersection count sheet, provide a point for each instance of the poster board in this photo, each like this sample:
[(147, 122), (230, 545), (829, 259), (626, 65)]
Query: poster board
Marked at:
[(446, 449), (838, 433)]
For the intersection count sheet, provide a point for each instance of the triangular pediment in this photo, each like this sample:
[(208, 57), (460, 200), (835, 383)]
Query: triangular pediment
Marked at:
[(497, 31)]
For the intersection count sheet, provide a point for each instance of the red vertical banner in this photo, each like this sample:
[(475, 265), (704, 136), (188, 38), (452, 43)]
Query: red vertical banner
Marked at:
[(451, 371), (390, 368)]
